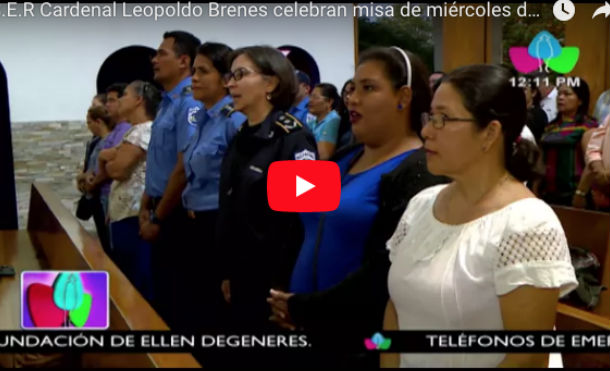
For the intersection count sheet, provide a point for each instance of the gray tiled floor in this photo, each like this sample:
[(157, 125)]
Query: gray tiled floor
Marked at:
[(52, 153)]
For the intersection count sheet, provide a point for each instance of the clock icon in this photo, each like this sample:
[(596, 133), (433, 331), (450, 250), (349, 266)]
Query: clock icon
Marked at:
[(564, 10)]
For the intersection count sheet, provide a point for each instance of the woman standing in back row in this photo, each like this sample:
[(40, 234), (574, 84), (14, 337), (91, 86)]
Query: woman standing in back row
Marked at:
[(325, 121), (126, 165), (564, 154)]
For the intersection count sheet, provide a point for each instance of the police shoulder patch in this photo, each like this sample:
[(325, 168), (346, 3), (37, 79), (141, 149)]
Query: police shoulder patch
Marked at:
[(192, 114), (288, 122), (187, 90), (227, 110), (310, 118), (305, 155)]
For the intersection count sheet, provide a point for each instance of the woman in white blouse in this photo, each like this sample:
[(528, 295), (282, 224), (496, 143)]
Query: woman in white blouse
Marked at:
[(126, 164), (481, 253)]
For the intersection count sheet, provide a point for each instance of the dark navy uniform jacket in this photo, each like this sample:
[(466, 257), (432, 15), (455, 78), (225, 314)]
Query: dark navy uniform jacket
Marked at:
[(259, 246)]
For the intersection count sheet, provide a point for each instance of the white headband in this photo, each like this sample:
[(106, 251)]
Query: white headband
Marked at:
[(407, 61)]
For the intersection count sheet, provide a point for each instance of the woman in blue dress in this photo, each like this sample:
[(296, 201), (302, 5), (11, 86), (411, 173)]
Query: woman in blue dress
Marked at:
[(339, 280)]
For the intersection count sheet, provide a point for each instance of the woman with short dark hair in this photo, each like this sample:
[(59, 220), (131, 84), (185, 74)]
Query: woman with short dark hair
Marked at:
[(481, 253), (259, 245), (323, 102)]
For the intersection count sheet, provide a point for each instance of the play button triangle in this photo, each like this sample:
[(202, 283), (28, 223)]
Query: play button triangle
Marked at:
[(303, 186)]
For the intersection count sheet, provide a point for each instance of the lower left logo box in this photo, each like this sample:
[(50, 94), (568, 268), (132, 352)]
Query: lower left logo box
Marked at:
[(65, 300)]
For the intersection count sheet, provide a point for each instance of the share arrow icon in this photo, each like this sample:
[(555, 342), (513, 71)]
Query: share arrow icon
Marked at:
[(604, 9)]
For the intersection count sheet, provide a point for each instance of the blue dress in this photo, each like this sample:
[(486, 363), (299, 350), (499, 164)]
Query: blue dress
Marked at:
[(342, 233)]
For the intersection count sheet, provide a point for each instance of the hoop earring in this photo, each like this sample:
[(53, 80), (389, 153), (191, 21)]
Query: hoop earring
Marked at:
[(269, 96)]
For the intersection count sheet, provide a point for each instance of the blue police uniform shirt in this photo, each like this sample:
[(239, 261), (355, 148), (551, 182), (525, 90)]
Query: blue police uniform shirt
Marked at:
[(170, 133), (300, 111), (345, 230), (204, 153)]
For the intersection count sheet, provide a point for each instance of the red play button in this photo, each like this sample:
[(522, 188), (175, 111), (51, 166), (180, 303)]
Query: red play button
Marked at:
[(304, 186)]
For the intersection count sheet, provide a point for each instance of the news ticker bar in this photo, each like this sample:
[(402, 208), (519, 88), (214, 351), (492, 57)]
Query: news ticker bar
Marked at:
[(389, 341)]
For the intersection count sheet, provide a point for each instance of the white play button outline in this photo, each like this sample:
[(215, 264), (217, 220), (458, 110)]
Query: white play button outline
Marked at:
[(303, 186)]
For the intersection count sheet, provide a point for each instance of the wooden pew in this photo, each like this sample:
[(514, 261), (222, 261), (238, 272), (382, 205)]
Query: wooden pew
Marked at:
[(589, 230), (61, 243), (15, 250)]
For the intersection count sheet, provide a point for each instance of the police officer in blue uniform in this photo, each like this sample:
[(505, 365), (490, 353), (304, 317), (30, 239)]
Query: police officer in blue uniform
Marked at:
[(160, 212), (259, 245), (300, 110), (199, 294)]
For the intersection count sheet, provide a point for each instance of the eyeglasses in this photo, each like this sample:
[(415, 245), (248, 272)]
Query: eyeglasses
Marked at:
[(438, 121), (238, 74), (318, 97)]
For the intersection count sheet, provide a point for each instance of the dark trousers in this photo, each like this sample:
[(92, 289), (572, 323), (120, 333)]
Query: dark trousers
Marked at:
[(165, 264), (249, 308), (185, 273), (200, 275), (132, 254), (99, 217), (197, 289)]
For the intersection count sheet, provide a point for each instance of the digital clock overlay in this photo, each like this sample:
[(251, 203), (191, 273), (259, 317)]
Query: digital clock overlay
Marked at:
[(64, 300), (544, 49)]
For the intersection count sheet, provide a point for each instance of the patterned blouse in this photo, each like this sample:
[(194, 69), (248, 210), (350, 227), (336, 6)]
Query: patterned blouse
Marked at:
[(564, 158), (125, 195)]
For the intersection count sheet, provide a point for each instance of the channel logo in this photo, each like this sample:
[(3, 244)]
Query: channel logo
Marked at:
[(377, 342), (304, 186), (64, 300), (544, 49)]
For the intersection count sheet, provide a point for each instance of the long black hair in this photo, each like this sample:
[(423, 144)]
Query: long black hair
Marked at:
[(584, 94), (397, 71), (488, 94)]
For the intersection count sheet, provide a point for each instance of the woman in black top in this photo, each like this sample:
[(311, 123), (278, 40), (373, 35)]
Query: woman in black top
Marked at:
[(259, 245), (537, 119)]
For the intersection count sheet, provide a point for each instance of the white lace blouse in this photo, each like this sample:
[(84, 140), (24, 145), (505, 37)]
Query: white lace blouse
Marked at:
[(449, 277)]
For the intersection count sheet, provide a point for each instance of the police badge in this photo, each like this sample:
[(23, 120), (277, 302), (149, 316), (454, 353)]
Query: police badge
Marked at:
[(305, 155), (192, 115)]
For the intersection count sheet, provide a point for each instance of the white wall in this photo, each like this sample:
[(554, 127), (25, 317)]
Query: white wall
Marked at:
[(52, 63)]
